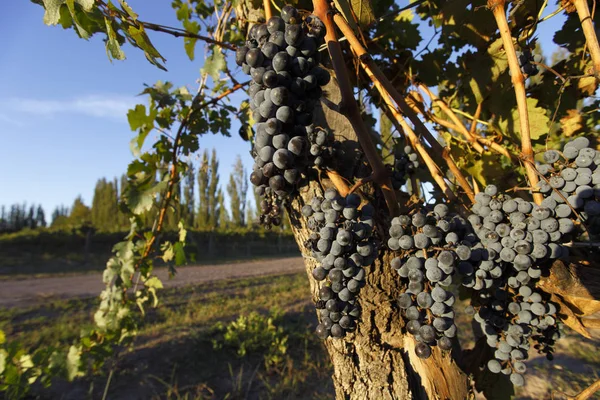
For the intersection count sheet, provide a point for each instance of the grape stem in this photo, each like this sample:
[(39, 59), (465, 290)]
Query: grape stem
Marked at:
[(390, 95), (173, 174), (590, 34), (497, 7), (350, 106), (461, 127), (586, 393), (470, 135), (402, 126), (176, 32), (268, 10), (582, 244)]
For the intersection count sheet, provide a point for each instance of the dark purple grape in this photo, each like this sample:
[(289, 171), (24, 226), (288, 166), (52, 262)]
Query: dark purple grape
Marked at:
[(255, 58), (275, 24)]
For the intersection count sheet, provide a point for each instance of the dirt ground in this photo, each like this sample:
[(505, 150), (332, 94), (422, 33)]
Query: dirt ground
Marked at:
[(22, 292)]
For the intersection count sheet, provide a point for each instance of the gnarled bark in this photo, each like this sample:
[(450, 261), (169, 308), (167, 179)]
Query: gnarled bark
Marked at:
[(378, 360)]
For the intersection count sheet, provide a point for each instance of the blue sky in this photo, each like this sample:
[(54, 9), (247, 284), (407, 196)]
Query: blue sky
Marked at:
[(63, 104)]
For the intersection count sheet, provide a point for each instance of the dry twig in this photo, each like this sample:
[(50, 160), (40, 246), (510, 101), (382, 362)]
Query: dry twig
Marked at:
[(497, 7)]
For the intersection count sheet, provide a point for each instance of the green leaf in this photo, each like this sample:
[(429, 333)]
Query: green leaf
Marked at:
[(52, 15), (214, 64), (140, 201), (189, 43), (168, 252), (139, 120), (154, 283), (180, 258), (113, 48), (182, 232), (74, 363), (128, 10), (3, 357), (539, 123), (139, 36)]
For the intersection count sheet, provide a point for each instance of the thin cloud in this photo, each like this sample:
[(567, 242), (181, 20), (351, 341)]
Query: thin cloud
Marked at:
[(114, 107), (11, 121)]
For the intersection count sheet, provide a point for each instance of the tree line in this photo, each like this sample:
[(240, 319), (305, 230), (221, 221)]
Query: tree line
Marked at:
[(199, 202)]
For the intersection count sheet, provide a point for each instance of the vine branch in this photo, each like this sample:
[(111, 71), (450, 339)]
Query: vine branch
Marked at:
[(389, 93), (470, 135), (497, 7), (590, 34), (349, 104)]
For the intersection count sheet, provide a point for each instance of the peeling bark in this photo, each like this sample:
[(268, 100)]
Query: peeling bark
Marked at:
[(378, 360)]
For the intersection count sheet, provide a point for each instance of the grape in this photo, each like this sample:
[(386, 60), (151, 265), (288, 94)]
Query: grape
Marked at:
[(422, 350), (494, 366), (517, 379)]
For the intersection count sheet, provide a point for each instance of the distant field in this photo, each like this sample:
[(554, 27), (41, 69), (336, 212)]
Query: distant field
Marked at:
[(47, 252), (182, 353)]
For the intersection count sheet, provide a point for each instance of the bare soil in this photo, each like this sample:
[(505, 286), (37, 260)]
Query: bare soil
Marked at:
[(25, 292)]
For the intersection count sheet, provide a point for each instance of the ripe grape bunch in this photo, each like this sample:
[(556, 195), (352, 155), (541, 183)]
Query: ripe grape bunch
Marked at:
[(405, 164), (526, 60), (515, 239), (342, 242), (323, 146), (425, 245), (282, 58), (271, 211), (573, 182)]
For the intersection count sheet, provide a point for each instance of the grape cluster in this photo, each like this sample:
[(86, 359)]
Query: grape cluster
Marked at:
[(271, 211), (510, 320), (513, 242), (405, 164), (573, 183), (282, 58), (323, 146), (425, 245), (526, 59), (342, 242), (514, 237)]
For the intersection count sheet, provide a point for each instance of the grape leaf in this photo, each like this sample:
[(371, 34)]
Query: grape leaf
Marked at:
[(74, 363), (154, 282), (128, 10), (571, 123), (363, 11), (52, 14), (3, 356), (113, 48), (539, 123), (214, 64), (140, 201)]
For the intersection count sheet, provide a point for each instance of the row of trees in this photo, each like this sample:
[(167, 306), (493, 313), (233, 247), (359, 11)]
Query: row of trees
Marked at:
[(200, 203), (19, 216)]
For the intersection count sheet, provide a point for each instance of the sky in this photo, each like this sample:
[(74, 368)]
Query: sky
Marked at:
[(63, 104)]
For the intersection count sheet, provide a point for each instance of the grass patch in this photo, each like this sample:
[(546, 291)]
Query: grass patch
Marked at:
[(245, 339), (190, 346)]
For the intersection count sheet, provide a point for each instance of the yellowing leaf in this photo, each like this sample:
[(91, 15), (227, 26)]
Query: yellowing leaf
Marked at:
[(52, 14), (154, 283), (539, 123), (3, 356), (74, 363), (363, 12), (571, 123), (113, 48)]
